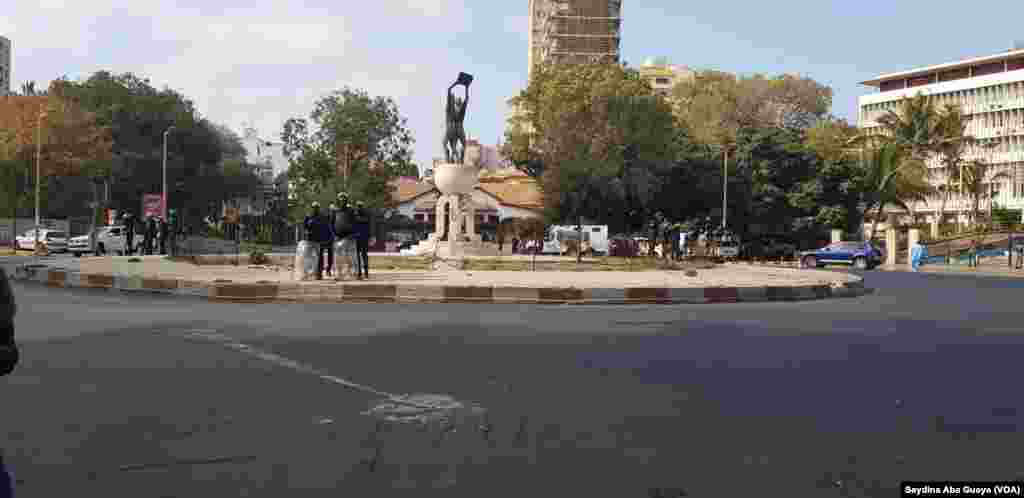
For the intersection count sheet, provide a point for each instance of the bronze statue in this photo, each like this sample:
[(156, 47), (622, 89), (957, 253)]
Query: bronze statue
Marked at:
[(455, 135)]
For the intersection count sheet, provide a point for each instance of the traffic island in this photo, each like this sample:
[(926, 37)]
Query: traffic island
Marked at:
[(266, 284)]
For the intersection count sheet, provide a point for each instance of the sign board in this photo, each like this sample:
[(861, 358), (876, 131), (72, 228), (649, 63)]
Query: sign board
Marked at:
[(111, 216), (152, 205)]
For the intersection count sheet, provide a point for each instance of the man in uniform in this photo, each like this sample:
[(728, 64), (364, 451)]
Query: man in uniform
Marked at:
[(344, 232), (362, 233)]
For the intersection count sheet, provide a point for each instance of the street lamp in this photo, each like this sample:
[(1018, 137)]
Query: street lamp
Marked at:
[(39, 155), (163, 206)]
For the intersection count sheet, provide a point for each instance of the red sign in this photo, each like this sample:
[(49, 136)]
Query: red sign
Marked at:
[(111, 216), (152, 205)]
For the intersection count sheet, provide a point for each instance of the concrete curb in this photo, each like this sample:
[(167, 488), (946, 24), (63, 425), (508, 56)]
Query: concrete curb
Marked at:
[(341, 292)]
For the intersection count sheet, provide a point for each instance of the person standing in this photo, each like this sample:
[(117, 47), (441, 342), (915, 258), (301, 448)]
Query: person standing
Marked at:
[(164, 232), (8, 360), (144, 250), (151, 234), (344, 232), (362, 233), (129, 233), (318, 232)]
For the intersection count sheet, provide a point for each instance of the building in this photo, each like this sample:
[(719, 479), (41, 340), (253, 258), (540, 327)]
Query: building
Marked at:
[(265, 155), (990, 90), (5, 66), (663, 76), (501, 194), (569, 31)]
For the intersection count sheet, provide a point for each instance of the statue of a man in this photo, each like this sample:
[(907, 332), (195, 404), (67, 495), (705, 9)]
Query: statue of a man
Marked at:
[(455, 134)]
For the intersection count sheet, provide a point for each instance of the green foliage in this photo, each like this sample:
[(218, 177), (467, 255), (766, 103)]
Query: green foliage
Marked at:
[(359, 144)]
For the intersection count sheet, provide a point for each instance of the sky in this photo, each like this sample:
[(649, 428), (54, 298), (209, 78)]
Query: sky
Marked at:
[(263, 61)]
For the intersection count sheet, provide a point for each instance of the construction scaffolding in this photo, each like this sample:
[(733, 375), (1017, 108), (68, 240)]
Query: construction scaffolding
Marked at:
[(575, 31)]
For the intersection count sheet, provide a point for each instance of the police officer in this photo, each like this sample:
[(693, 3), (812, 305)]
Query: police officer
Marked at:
[(344, 233), (129, 233), (362, 233), (319, 232)]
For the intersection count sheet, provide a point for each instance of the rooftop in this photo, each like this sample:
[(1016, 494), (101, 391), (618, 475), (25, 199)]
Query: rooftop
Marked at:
[(1009, 54)]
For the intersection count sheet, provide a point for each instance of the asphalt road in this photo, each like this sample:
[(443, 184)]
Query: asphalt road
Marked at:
[(139, 396)]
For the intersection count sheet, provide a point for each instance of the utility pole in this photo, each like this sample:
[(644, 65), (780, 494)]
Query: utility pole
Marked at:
[(163, 207), (39, 156), (725, 186)]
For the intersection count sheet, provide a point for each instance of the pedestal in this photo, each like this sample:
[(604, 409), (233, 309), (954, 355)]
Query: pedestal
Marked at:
[(890, 246)]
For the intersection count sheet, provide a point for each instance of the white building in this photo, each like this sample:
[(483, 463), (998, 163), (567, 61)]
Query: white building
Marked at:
[(569, 31), (663, 76), (990, 90), (266, 155), (5, 66)]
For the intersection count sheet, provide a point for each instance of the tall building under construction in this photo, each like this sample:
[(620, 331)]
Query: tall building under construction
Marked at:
[(574, 31)]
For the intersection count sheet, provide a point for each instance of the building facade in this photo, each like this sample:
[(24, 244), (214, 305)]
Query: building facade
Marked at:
[(5, 66), (569, 31), (990, 91), (663, 76)]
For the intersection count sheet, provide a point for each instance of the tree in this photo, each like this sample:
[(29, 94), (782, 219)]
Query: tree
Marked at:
[(979, 177), (587, 118), (893, 175), (350, 142), (951, 147), (915, 124)]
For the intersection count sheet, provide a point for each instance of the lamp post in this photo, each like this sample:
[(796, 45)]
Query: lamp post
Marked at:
[(163, 203), (39, 155)]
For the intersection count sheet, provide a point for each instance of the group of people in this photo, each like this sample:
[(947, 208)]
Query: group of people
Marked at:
[(345, 230), (154, 230)]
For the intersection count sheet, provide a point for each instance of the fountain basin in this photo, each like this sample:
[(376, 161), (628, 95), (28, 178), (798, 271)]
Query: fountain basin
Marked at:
[(453, 179)]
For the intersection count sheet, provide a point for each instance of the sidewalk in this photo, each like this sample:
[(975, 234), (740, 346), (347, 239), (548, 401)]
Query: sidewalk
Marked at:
[(265, 284)]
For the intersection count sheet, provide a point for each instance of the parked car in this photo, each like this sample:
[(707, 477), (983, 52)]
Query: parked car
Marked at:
[(109, 240), (52, 240), (862, 255)]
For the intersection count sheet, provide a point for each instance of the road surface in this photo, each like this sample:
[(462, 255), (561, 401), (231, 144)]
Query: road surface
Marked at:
[(154, 397)]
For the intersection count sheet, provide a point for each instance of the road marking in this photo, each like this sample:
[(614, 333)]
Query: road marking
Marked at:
[(419, 408)]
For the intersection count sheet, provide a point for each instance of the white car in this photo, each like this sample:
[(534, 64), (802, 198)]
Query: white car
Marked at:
[(109, 240), (53, 240)]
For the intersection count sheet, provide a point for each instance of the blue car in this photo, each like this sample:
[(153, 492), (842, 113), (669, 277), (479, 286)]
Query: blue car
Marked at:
[(859, 254)]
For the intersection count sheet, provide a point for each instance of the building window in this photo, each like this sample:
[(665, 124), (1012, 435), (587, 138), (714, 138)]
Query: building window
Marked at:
[(662, 81)]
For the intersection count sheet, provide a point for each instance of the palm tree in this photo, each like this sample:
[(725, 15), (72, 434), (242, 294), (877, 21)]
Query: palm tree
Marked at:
[(892, 176), (951, 148), (916, 124), (978, 179)]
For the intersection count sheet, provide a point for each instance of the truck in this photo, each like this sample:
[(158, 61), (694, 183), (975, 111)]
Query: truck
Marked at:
[(557, 237)]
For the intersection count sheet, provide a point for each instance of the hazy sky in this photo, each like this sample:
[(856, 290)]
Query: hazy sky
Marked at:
[(262, 62)]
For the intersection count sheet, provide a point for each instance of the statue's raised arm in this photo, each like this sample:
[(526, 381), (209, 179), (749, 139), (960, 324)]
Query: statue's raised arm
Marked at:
[(454, 143)]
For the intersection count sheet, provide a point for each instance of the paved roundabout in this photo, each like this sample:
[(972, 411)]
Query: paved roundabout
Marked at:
[(226, 282)]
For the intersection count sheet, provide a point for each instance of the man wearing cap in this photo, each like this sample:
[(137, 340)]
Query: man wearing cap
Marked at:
[(344, 231), (319, 232), (362, 232)]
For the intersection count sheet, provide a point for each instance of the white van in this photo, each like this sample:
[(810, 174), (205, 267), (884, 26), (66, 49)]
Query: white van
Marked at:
[(595, 237)]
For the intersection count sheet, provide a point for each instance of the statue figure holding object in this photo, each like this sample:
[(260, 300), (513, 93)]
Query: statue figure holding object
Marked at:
[(455, 112)]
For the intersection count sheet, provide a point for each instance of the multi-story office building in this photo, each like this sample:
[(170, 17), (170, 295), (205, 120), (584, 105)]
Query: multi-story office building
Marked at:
[(990, 90), (5, 66), (574, 30)]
